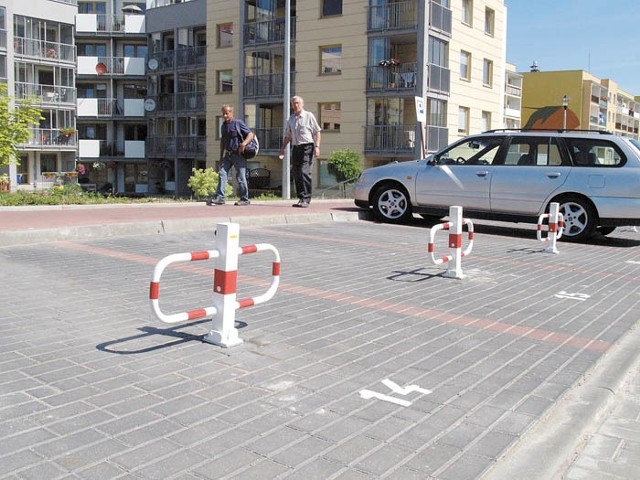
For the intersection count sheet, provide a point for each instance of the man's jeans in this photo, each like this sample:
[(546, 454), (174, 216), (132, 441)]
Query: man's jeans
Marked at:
[(240, 163)]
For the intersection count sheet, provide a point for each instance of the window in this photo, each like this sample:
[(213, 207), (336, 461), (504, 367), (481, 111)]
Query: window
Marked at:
[(531, 152), (436, 112), (438, 52), (594, 153), (489, 21), (225, 81), (467, 12), (465, 65), (487, 73), (331, 59), (225, 35), (486, 121), (463, 120), (331, 8), (92, 50), (330, 117), (135, 51), (47, 162), (477, 151)]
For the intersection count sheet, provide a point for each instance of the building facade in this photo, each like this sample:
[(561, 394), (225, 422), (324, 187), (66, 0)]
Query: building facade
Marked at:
[(111, 89), (38, 60), (359, 66), (591, 103)]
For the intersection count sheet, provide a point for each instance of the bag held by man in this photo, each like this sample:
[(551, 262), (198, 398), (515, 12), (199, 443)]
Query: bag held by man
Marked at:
[(251, 150)]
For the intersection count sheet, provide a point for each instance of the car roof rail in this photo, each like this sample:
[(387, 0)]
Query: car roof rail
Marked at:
[(558, 130)]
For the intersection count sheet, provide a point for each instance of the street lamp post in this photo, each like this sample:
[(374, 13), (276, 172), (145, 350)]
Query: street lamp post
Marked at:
[(565, 105)]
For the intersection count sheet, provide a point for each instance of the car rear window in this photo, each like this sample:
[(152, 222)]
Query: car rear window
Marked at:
[(533, 152), (597, 152)]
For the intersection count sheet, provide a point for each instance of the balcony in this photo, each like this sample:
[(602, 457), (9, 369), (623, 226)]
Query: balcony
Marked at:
[(268, 85), (183, 58), (266, 32), (50, 95), (402, 15), (46, 51), (440, 18), (92, 24), (399, 77), (50, 139), (270, 139), (3, 38), (390, 139), (439, 79), (190, 102), (129, 149), (111, 66), (514, 91), (110, 107)]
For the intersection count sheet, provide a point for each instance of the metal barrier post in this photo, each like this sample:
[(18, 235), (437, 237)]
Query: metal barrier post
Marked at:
[(556, 227), (223, 331), (455, 242)]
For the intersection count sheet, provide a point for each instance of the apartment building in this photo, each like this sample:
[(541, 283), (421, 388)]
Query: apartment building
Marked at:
[(111, 90), (512, 98), (38, 59), (359, 66), (591, 103), (176, 94)]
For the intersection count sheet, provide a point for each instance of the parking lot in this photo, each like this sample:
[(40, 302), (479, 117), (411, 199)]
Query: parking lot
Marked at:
[(368, 362)]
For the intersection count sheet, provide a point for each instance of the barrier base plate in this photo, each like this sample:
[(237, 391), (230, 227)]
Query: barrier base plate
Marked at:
[(216, 338)]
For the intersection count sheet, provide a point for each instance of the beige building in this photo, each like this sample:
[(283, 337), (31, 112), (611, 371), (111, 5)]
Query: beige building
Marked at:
[(359, 66), (591, 103)]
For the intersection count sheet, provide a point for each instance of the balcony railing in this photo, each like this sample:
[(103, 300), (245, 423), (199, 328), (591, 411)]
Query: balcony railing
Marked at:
[(437, 138), (50, 51), (440, 18), (3, 38), (513, 90), (394, 16), (190, 101), (389, 139), (266, 31), (396, 77), (49, 94), (264, 85), (270, 138), (439, 79), (189, 57), (51, 137)]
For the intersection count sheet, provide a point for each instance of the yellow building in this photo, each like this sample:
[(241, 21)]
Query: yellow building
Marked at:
[(359, 65), (576, 99)]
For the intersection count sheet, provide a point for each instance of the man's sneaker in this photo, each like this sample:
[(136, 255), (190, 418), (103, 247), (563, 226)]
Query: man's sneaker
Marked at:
[(217, 201), (301, 204), (242, 203)]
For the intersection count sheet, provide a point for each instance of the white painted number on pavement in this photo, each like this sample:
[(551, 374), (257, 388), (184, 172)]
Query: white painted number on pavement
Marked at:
[(573, 296), (395, 388)]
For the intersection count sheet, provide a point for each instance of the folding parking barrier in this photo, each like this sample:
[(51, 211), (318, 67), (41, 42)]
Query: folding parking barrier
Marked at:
[(223, 310), (556, 227), (454, 225)]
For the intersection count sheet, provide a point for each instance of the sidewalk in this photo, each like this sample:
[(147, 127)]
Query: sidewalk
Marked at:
[(24, 225)]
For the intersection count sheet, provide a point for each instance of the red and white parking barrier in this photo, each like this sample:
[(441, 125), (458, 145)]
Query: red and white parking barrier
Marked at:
[(555, 227), (454, 225), (225, 304)]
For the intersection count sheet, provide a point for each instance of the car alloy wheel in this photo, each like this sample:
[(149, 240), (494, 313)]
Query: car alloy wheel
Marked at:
[(391, 204), (579, 219)]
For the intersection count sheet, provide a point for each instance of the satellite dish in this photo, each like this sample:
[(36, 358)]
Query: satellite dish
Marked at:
[(153, 64), (131, 9), (149, 104), (101, 68)]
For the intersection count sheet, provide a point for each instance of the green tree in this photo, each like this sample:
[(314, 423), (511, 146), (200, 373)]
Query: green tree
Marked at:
[(344, 165), (15, 124)]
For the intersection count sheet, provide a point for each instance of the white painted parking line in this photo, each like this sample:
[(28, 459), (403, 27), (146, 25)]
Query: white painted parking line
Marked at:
[(572, 296), (368, 394)]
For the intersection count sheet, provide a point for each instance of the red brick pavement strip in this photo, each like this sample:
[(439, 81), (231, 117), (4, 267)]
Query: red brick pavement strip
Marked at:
[(46, 217)]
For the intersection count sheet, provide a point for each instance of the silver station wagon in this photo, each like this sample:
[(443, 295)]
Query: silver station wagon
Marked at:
[(513, 175)]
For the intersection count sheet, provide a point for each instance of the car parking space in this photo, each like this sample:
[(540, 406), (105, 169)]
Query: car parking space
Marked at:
[(367, 363)]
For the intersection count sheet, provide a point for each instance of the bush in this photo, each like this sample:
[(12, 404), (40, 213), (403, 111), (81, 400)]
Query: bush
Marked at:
[(204, 183), (344, 165)]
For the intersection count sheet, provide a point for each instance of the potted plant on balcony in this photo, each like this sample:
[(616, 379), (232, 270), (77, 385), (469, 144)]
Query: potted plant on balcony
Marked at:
[(67, 131)]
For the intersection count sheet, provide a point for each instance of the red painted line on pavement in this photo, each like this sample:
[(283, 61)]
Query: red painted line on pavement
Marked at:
[(578, 342)]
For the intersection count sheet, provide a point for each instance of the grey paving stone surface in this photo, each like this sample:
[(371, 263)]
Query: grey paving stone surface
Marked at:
[(93, 386)]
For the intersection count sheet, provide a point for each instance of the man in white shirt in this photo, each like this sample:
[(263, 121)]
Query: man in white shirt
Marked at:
[(303, 132)]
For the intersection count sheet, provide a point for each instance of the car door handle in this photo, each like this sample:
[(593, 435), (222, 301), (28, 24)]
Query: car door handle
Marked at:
[(553, 174), (482, 173)]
